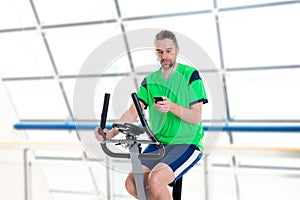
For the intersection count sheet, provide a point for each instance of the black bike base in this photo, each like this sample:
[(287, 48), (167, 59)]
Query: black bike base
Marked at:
[(177, 190)]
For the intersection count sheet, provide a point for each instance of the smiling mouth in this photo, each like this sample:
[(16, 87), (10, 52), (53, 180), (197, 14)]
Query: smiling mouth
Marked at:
[(165, 62)]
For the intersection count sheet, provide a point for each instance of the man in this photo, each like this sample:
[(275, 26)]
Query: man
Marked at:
[(175, 119)]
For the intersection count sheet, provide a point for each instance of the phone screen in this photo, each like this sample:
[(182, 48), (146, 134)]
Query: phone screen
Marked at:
[(157, 99)]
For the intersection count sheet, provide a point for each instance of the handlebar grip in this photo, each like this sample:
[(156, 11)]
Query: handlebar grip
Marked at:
[(104, 115), (104, 110), (100, 131)]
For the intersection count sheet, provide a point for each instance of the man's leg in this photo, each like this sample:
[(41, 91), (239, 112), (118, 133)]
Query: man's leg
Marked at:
[(130, 184), (159, 178), (178, 160), (156, 182)]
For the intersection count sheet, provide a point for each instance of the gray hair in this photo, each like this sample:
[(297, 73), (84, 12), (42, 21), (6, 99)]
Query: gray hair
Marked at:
[(165, 34)]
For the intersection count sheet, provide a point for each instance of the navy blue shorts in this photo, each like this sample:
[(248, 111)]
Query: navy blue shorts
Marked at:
[(180, 157)]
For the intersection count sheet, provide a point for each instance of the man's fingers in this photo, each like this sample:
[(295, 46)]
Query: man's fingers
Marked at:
[(97, 135)]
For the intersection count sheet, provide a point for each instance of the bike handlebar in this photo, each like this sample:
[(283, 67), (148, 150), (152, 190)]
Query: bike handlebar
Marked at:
[(133, 139)]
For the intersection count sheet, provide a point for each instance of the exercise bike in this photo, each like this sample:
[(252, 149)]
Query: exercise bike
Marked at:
[(133, 143)]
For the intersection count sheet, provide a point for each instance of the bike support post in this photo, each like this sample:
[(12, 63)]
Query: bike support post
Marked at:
[(137, 170)]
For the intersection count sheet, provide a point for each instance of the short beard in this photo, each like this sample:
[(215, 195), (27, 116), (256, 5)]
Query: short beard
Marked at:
[(167, 67)]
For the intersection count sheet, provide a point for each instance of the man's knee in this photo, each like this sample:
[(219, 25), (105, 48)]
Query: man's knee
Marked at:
[(155, 180), (130, 185)]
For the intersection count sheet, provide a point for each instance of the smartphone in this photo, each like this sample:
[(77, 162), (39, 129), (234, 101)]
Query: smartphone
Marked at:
[(157, 99)]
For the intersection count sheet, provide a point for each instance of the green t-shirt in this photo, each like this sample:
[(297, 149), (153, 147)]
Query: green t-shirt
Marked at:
[(185, 88)]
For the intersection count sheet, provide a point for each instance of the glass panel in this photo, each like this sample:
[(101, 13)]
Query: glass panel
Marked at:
[(68, 11), (119, 65), (11, 169), (193, 185), (269, 149), (25, 55), (264, 159), (144, 60), (16, 14), (199, 28), (118, 183), (261, 37), (63, 180), (69, 86), (219, 158), (264, 94), (265, 185), (222, 184), (59, 174), (266, 139), (120, 89), (61, 152), (40, 99), (51, 135), (230, 3), (72, 195), (208, 109), (64, 139), (224, 139), (72, 46), (156, 7)]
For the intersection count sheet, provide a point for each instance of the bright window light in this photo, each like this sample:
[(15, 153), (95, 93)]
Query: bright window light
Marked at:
[(261, 37), (234, 3), (25, 55), (72, 46), (199, 28), (69, 11), (264, 94), (16, 14), (40, 99), (157, 7)]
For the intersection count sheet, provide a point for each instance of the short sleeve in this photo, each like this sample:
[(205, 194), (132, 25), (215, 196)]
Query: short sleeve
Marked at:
[(143, 93), (196, 90)]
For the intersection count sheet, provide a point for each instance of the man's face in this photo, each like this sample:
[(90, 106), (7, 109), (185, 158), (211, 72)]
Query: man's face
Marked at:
[(166, 52)]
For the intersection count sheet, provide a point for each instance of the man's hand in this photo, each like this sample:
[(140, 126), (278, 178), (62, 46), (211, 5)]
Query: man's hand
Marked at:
[(99, 137), (163, 106), (191, 115)]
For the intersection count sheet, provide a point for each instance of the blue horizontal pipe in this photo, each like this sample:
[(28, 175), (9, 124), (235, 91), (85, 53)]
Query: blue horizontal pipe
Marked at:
[(57, 126), (91, 126)]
